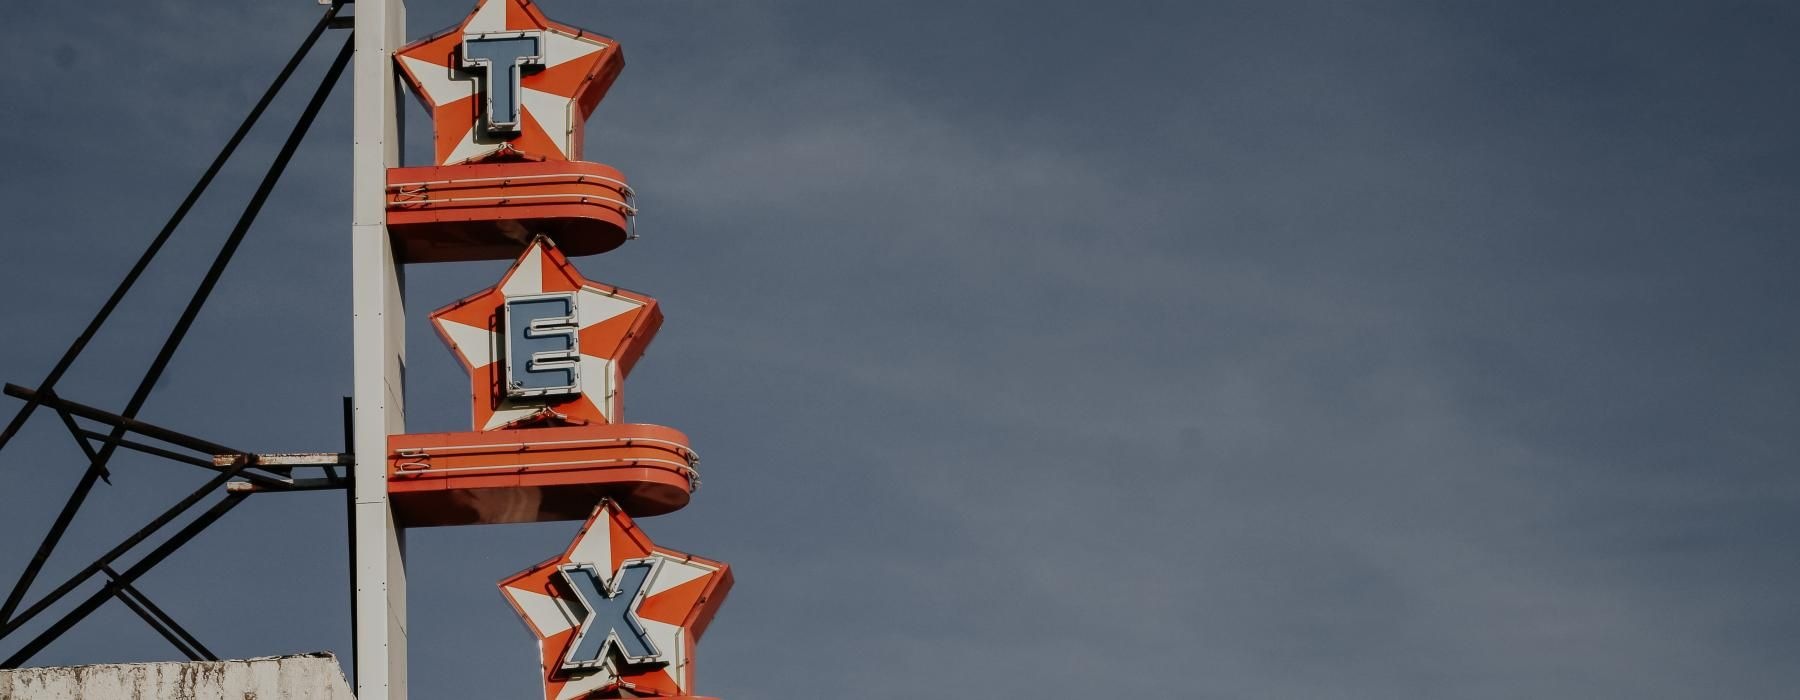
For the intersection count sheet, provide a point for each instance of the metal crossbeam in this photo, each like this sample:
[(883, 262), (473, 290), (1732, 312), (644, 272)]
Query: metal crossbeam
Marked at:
[(87, 448), (287, 459), (157, 619), (116, 421), (162, 237), (12, 624), (130, 575), (99, 447), (213, 450)]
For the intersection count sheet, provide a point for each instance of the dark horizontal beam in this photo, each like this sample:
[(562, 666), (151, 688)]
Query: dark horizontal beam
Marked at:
[(115, 420), (213, 464), (170, 455)]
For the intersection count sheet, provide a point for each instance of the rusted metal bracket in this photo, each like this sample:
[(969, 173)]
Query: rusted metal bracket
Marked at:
[(291, 486), (286, 460)]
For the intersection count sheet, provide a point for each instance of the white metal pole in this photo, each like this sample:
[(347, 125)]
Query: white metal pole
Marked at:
[(379, 340)]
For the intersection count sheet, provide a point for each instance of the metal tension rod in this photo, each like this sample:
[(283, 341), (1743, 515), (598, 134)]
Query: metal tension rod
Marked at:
[(155, 432), (12, 625), (349, 406), (158, 620), (154, 451), (87, 448), (129, 576), (137, 270), (182, 325)]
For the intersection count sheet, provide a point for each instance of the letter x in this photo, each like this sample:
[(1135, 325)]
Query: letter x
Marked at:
[(609, 616)]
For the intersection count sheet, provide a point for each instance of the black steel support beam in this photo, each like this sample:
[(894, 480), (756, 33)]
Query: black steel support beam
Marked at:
[(13, 624), (137, 270), (87, 448), (350, 531), (270, 482), (188, 315), (114, 420), (155, 451), (129, 576), (349, 417), (69, 409), (159, 620), (155, 624)]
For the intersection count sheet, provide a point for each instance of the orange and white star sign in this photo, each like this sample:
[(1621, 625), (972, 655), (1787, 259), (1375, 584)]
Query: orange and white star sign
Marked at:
[(617, 614), (547, 346), (508, 80)]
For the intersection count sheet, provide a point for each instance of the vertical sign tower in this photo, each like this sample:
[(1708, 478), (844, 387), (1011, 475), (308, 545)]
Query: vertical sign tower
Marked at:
[(379, 354), (547, 351)]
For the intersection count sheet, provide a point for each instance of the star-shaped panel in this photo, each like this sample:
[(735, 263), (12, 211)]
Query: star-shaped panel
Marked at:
[(657, 600), (614, 326), (567, 73)]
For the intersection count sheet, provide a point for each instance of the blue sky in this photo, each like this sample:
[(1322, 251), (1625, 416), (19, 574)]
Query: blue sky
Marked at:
[(1036, 349)]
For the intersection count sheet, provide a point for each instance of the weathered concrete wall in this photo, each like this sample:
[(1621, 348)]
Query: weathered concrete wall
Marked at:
[(308, 677)]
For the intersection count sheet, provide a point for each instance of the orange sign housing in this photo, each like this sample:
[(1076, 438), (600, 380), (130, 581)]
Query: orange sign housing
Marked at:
[(547, 352)]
